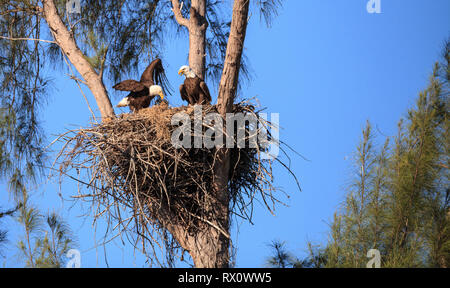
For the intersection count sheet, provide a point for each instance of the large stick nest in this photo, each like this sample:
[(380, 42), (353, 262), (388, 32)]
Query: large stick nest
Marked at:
[(130, 163)]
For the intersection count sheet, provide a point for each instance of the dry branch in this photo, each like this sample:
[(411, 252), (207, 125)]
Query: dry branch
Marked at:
[(64, 39)]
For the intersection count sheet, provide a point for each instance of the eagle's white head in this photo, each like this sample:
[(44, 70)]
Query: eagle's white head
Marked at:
[(156, 90), (186, 71), (124, 102)]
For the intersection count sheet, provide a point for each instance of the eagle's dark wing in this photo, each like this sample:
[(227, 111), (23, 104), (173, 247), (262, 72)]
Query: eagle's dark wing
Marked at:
[(129, 85), (154, 74), (147, 77), (205, 90), (183, 93)]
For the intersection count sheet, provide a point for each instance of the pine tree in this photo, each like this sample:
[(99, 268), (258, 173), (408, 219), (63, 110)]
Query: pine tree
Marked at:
[(280, 258), (399, 201), (46, 239), (356, 228), (4, 233)]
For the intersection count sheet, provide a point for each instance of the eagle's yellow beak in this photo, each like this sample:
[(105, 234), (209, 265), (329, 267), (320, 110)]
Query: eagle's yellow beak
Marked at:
[(181, 72), (161, 94)]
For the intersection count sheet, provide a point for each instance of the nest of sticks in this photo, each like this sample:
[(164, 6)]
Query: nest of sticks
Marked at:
[(130, 164)]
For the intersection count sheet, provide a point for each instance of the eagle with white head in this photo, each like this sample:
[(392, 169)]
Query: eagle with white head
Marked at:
[(194, 90), (153, 82)]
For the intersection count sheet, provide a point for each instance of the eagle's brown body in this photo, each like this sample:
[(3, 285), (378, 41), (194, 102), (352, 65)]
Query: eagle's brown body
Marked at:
[(139, 96), (140, 100), (195, 91)]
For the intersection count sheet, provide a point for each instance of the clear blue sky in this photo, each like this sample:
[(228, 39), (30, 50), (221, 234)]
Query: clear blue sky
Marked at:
[(326, 66)]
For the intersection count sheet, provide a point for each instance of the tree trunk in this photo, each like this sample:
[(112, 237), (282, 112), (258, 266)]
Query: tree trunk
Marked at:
[(214, 246), (210, 247), (197, 37), (67, 43), (227, 94), (196, 26), (232, 65)]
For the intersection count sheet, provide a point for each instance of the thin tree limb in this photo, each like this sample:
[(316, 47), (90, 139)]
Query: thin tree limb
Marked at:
[(177, 13), (26, 39), (66, 42)]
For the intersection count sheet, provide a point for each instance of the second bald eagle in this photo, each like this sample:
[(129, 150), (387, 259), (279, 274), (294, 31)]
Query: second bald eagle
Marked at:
[(152, 83), (194, 89)]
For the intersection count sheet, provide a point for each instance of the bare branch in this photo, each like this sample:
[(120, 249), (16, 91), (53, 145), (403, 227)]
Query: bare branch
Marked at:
[(102, 64), (32, 10), (73, 77), (66, 42), (77, 80), (26, 39), (177, 13)]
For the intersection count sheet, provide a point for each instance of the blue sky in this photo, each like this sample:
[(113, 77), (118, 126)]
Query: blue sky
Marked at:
[(326, 66)]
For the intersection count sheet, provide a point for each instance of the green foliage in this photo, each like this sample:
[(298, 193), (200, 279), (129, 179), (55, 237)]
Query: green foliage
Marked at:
[(280, 258), (399, 202), (399, 198), (46, 240), (97, 60), (22, 91), (358, 226), (268, 9), (3, 233)]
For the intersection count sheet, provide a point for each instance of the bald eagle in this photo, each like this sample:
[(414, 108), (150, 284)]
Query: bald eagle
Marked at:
[(194, 89), (153, 83)]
